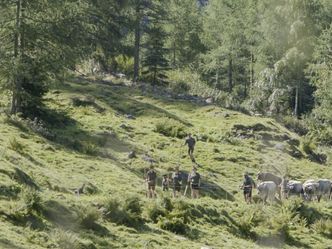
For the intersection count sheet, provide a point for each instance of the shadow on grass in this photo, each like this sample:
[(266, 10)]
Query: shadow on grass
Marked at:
[(60, 129), (207, 188), (7, 244), (280, 240), (21, 177), (66, 218), (118, 98), (59, 214)]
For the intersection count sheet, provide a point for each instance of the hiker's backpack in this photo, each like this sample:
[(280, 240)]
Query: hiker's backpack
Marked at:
[(194, 179), (152, 175)]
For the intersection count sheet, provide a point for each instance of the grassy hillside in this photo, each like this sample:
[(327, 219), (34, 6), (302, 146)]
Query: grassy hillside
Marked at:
[(88, 132)]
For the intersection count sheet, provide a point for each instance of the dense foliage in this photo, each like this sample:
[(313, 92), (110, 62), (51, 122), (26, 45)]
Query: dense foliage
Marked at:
[(271, 57)]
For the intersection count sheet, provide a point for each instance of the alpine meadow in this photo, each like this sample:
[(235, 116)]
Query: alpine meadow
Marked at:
[(157, 124)]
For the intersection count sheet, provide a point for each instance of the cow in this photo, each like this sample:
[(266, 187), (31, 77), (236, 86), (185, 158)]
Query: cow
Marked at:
[(324, 189), (266, 176), (318, 189), (291, 187), (267, 190), (310, 188)]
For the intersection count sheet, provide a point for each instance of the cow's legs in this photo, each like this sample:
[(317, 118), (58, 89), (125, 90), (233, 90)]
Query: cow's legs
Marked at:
[(319, 197)]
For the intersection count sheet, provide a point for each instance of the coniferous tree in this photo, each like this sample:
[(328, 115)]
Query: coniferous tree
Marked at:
[(154, 61), (39, 41)]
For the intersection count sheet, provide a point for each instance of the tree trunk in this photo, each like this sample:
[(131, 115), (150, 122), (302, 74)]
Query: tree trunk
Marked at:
[(217, 79), (296, 105), (230, 74), (252, 73), (16, 99), (154, 76), (137, 43), (174, 57)]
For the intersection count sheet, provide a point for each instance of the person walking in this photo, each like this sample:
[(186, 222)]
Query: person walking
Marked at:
[(247, 186), (194, 179), (177, 182), (151, 179), (165, 183), (191, 142)]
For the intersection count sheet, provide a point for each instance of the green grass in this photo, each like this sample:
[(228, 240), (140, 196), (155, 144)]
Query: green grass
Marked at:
[(87, 140)]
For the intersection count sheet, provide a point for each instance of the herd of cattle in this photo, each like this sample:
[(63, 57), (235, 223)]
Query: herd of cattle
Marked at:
[(271, 185)]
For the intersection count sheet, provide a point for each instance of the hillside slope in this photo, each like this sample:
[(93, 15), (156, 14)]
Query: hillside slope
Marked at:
[(88, 132)]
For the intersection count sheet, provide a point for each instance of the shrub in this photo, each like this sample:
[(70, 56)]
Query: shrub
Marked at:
[(127, 216), (323, 226), (308, 145), (32, 201), (246, 223), (184, 211), (310, 214), (133, 205), (124, 64), (67, 240), (294, 124), (10, 191), (167, 203), (174, 225), (179, 87), (89, 149), (88, 216), (190, 81), (155, 212), (170, 128)]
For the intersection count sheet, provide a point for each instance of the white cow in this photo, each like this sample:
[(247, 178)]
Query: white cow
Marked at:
[(291, 187), (267, 190), (310, 189), (324, 188), (318, 189)]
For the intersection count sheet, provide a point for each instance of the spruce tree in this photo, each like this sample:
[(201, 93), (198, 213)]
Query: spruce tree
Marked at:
[(40, 40), (154, 61)]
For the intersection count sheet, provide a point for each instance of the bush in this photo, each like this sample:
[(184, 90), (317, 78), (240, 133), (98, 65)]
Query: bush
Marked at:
[(246, 223), (155, 212), (323, 226), (32, 201), (88, 216), (128, 215), (133, 205), (294, 124), (310, 214), (174, 225), (167, 204), (179, 87), (89, 149), (308, 145), (188, 80), (10, 191), (124, 64), (170, 128), (67, 240)]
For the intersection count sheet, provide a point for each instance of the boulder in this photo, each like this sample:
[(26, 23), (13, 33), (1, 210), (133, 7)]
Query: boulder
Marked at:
[(132, 154)]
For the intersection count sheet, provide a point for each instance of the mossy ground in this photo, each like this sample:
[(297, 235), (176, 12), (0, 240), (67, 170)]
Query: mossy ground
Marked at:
[(88, 141)]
